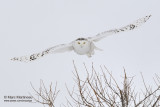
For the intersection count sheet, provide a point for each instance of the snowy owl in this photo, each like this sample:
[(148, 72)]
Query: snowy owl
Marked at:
[(82, 46)]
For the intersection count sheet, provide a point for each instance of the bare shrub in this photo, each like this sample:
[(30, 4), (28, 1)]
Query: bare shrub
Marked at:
[(44, 96), (102, 90)]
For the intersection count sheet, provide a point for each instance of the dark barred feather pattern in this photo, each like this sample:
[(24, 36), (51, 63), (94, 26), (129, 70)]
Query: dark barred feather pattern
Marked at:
[(31, 57), (129, 27), (69, 47), (134, 25), (58, 48)]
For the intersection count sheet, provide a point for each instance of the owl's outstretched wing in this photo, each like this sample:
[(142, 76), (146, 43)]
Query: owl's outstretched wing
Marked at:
[(131, 26), (56, 49)]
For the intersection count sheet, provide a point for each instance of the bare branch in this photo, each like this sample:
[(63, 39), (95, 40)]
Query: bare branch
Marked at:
[(102, 90), (44, 96)]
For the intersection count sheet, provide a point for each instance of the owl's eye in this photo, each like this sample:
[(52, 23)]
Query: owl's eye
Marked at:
[(84, 42), (78, 42)]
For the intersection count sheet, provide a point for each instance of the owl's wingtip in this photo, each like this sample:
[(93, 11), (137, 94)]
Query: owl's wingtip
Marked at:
[(13, 59), (149, 15)]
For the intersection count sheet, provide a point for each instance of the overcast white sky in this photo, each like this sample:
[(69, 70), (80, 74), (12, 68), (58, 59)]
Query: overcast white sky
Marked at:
[(30, 26)]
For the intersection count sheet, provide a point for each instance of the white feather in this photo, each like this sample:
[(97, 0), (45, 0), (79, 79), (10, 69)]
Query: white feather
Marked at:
[(131, 26)]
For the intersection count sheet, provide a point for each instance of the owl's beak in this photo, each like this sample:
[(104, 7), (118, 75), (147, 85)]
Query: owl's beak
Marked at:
[(81, 46)]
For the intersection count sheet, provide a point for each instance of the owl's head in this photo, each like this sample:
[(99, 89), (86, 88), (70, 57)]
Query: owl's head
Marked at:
[(81, 42)]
